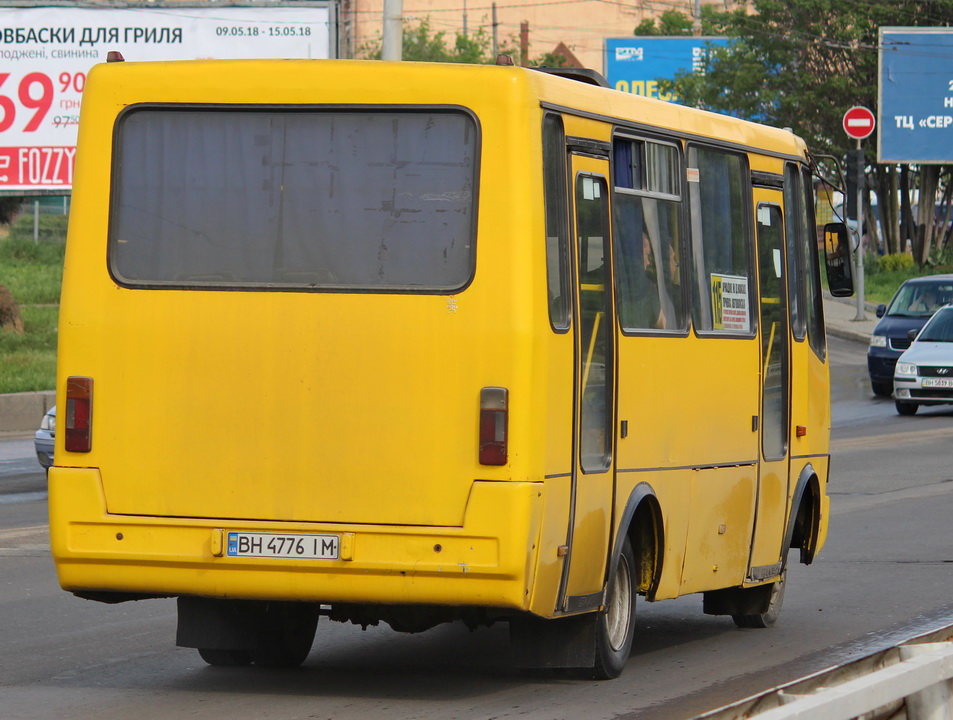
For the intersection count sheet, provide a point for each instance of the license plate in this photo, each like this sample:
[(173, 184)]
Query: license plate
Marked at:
[(273, 545), (938, 382)]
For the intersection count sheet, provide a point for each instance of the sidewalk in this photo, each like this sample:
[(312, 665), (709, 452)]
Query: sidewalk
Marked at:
[(840, 314)]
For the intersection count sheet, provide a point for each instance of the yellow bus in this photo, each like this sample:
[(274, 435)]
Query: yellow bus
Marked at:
[(415, 343)]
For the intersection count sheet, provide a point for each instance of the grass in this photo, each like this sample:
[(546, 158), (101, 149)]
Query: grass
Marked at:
[(28, 361), (32, 271), (881, 279)]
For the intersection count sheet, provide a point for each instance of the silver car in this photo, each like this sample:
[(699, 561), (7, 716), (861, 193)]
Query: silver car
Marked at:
[(924, 373), (44, 439)]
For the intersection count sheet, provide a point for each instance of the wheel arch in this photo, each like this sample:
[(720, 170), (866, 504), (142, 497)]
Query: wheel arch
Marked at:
[(804, 522), (641, 522)]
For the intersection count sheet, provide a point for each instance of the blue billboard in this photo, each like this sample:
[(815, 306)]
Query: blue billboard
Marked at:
[(915, 107), (635, 64)]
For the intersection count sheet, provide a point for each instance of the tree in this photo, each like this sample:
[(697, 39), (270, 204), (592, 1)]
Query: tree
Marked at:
[(802, 64), (421, 44), (672, 23), (549, 60), (9, 207)]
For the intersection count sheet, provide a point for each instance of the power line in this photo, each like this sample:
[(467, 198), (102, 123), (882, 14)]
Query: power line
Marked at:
[(672, 5)]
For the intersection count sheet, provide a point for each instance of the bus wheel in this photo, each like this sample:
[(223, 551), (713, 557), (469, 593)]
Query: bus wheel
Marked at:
[(906, 408), (615, 626), (225, 658), (285, 635), (770, 616)]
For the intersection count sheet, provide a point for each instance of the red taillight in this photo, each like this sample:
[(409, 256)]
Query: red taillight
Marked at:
[(79, 414), (494, 421)]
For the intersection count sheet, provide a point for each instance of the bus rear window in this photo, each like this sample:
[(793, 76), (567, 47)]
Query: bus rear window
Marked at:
[(376, 200)]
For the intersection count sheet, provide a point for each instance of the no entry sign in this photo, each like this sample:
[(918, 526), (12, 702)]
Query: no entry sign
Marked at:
[(859, 122)]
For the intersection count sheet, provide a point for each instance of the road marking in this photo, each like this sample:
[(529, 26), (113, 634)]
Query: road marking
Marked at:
[(912, 437), (23, 497), (25, 541), (24, 532)]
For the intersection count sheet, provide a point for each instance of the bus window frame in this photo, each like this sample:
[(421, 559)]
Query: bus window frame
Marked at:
[(747, 201), (117, 163), (775, 209), (640, 139), (814, 303), (793, 219), (563, 251)]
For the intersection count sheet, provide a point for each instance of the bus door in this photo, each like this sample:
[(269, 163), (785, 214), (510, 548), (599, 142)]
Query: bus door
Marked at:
[(590, 524), (771, 518)]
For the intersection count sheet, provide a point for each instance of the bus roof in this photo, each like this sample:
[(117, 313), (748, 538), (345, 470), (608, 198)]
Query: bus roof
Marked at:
[(373, 82)]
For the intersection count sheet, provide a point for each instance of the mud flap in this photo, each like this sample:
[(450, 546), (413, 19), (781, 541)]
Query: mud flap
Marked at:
[(540, 644), (217, 624), (738, 601)]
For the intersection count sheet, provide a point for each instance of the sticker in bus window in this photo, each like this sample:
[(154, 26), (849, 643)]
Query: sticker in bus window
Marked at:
[(729, 303), (589, 189)]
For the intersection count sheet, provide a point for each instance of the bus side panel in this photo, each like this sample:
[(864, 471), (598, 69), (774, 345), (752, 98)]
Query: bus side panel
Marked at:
[(698, 417), (723, 502), (688, 401), (811, 407), (544, 589), (671, 488)]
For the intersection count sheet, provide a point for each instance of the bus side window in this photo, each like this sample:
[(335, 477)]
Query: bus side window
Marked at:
[(813, 303), (647, 235), (794, 221), (557, 221), (722, 276)]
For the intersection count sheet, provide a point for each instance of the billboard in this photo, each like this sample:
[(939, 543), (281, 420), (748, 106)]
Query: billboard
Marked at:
[(915, 106), (45, 53), (635, 64)]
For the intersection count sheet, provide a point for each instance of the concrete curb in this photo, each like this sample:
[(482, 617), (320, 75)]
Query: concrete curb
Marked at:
[(839, 319), (847, 334), (20, 412)]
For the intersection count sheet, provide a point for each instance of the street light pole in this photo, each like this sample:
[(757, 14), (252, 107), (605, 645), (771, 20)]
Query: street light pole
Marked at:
[(392, 39)]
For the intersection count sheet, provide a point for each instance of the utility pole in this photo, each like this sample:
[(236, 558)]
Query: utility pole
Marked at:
[(697, 24), (496, 42), (392, 40), (464, 18)]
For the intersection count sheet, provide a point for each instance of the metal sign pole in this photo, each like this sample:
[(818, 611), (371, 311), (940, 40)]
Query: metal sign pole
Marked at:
[(859, 258)]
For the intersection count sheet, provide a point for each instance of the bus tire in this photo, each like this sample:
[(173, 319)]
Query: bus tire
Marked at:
[(285, 635), (225, 658), (615, 626), (770, 616)]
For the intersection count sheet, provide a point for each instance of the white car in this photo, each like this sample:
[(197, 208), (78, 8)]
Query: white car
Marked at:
[(924, 373)]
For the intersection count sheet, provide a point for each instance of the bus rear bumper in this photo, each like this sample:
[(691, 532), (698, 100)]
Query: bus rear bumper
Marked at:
[(488, 562)]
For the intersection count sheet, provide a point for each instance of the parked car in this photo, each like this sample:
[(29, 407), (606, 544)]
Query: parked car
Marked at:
[(912, 305), (924, 373), (43, 440)]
